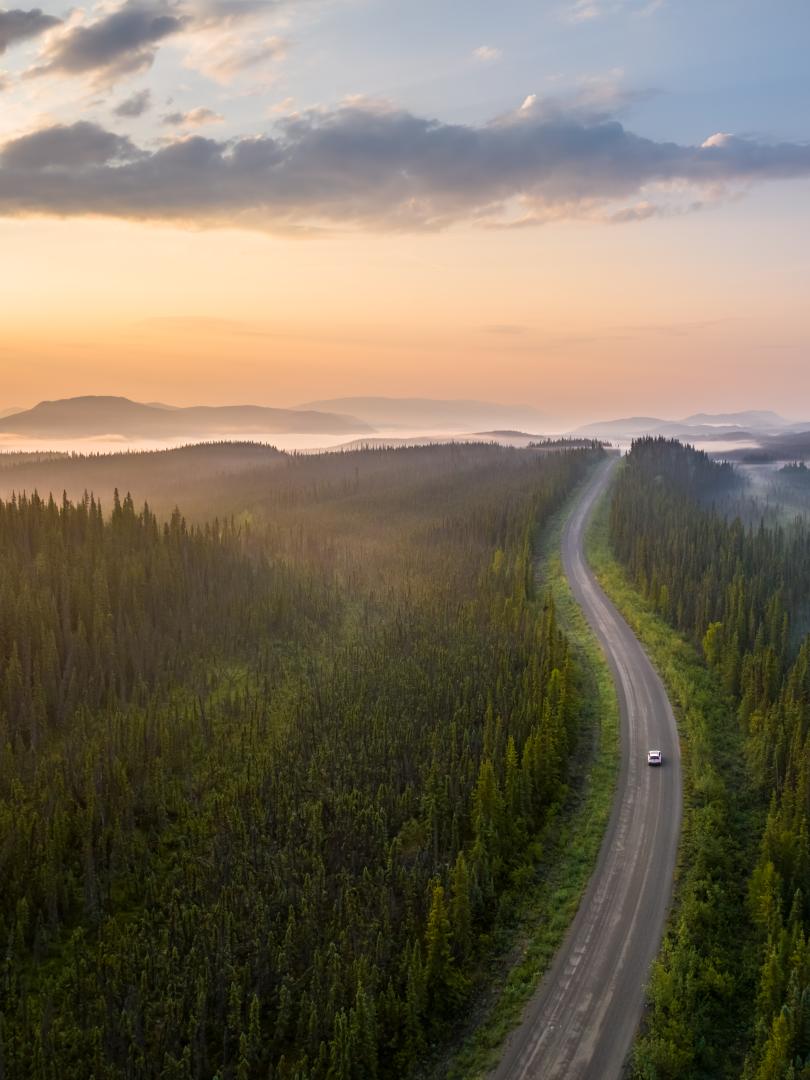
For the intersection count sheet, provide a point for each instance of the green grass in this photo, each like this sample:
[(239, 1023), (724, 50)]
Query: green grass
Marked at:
[(569, 844), (695, 1025)]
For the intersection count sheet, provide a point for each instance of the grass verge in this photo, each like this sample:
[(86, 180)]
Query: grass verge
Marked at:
[(570, 842), (695, 1024)]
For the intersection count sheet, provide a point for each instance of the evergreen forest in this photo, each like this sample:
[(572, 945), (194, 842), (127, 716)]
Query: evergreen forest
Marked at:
[(731, 995), (271, 762)]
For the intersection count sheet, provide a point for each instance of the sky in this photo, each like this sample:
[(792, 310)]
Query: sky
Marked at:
[(596, 207)]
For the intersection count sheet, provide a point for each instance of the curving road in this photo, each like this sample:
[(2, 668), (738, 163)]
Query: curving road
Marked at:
[(581, 1021)]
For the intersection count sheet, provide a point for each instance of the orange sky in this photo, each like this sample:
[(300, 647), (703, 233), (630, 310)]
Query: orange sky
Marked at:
[(580, 319), (652, 159)]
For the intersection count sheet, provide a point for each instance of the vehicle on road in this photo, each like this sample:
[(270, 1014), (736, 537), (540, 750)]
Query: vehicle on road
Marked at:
[(655, 757)]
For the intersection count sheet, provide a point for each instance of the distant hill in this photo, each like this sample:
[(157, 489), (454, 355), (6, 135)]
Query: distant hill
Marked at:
[(9, 411), (754, 419), (393, 442), (509, 433), (624, 427), (517, 439), (790, 446), (426, 414), (633, 427), (83, 417)]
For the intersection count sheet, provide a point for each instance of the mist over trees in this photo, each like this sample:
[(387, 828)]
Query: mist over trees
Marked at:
[(265, 779), (740, 594)]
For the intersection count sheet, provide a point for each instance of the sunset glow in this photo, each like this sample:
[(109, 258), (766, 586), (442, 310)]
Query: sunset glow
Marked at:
[(637, 278)]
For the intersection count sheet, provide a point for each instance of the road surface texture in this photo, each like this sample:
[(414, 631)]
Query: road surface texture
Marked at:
[(581, 1022)]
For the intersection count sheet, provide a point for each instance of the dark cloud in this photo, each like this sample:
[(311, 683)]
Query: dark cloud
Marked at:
[(118, 43), (17, 25), (126, 39), (377, 168), (135, 105), (63, 149)]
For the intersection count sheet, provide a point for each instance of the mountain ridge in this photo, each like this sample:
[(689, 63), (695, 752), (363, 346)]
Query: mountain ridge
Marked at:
[(764, 419), (95, 415), (631, 427)]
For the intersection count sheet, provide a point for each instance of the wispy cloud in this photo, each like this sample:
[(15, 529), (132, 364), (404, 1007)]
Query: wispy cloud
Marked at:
[(586, 11), (583, 11), (223, 56), (640, 211), (374, 166), (193, 118), (486, 54), (282, 108)]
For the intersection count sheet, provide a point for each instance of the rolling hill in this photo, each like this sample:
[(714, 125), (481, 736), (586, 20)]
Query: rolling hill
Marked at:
[(84, 417), (788, 446), (753, 419), (633, 427)]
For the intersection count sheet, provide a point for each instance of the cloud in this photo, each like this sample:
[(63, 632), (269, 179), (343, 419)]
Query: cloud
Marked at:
[(286, 105), (135, 105), (228, 38), (641, 211), (486, 54), (124, 39), (193, 118), (720, 138), (231, 11), (120, 42), (598, 96), (585, 11), (374, 166), (62, 148), (222, 56), (17, 25)]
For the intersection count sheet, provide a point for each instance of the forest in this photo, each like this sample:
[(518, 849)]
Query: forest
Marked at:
[(739, 591), (269, 765)]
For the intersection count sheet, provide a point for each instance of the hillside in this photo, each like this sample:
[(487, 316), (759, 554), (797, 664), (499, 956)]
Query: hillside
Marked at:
[(633, 427), (199, 477), (758, 419), (789, 446), (83, 417)]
